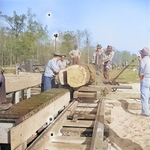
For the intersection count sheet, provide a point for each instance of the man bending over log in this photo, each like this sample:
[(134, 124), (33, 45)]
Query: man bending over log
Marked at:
[(75, 54), (62, 63), (51, 69), (107, 61)]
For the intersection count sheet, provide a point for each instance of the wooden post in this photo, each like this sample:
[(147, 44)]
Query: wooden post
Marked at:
[(16, 97), (22, 95), (28, 93)]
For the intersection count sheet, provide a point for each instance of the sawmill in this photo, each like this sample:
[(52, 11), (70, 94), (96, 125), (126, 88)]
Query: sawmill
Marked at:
[(74, 117)]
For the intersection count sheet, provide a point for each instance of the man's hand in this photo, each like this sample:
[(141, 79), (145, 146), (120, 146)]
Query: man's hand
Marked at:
[(141, 76), (139, 58)]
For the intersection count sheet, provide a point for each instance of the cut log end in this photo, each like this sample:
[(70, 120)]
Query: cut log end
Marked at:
[(77, 75)]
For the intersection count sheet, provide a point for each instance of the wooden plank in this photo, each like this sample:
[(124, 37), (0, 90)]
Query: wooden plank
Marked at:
[(22, 81), (83, 94), (24, 130), (79, 123), (64, 146), (75, 130), (89, 105), (86, 110), (117, 95), (70, 139)]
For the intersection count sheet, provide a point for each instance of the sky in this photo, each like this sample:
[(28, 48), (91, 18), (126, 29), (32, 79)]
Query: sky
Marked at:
[(124, 24)]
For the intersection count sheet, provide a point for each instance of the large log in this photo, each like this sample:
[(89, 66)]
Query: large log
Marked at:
[(77, 75)]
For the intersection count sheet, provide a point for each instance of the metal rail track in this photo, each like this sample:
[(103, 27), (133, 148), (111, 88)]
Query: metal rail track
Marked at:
[(79, 127)]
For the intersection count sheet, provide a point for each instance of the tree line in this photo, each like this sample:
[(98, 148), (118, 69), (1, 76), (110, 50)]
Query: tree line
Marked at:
[(25, 38)]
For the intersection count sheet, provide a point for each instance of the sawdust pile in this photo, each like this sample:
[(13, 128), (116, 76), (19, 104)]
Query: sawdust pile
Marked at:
[(128, 130)]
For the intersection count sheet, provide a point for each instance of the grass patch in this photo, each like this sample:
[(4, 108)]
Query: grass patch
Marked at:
[(128, 76), (9, 69)]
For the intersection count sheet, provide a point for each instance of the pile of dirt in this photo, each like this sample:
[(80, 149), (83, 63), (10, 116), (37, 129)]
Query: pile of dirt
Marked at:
[(130, 131)]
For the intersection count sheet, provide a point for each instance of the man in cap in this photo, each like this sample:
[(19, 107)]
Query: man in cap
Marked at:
[(144, 75), (51, 69), (3, 101), (107, 61), (75, 54), (97, 57), (62, 63)]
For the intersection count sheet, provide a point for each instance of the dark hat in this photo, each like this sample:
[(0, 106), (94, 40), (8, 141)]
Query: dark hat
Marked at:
[(109, 48), (144, 51), (99, 46), (63, 55), (56, 54)]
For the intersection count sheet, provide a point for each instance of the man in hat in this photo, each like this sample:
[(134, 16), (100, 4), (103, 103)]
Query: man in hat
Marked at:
[(3, 101), (62, 63), (97, 57), (107, 61), (51, 69), (144, 75), (75, 54)]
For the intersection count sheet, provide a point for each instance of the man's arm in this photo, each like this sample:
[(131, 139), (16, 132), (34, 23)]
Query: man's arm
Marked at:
[(55, 68), (71, 54), (79, 54), (141, 69)]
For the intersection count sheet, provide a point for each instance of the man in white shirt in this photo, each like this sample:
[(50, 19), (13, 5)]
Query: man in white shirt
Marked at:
[(62, 63), (144, 75), (75, 54), (97, 57), (107, 61)]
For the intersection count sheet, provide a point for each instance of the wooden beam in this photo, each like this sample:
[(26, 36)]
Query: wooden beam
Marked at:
[(79, 123), (21, 81), (86, 110), (64, 146), (24, 130), (117, 95), (77, 94), (88, 105), (75, 130), (70, 139)]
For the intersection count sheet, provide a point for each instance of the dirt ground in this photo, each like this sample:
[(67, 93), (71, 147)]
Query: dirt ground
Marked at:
[(128, 130)]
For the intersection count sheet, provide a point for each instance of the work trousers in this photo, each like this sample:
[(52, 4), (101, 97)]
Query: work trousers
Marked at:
[(144, 88), (49, 83), (75, 60)]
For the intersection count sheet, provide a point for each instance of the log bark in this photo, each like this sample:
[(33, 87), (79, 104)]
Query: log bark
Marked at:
[(77, 75)]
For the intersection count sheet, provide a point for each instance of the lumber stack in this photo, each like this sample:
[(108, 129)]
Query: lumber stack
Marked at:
[(77, 75), (17, 82)]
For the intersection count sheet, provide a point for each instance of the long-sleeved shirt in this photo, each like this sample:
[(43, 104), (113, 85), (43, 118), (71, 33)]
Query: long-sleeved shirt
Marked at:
[(144, 67), (50, 68), (108, 57), (63, 64), (75, 53)]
